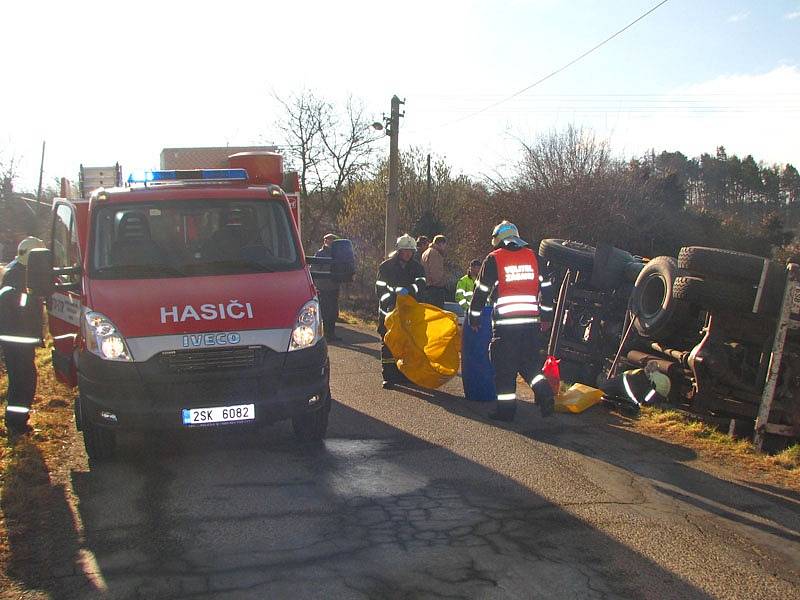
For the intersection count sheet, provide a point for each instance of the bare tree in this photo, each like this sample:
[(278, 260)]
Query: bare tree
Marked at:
[(330, 148)]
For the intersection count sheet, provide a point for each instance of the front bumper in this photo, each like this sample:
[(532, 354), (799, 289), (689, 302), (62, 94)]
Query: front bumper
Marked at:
[(151, 395)]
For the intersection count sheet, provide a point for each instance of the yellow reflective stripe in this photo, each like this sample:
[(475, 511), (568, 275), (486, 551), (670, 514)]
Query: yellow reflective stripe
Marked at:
[(628, 390), (502, 310), (502, 397), (516, 321), (515, 299)]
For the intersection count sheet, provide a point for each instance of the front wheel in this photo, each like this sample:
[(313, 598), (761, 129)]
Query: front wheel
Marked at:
[(100, 443), (312, 427)]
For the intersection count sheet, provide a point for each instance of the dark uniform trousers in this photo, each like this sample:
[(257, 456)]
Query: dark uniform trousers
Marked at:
[(388, 362), (21, 366), (515, 349), (329, 307)]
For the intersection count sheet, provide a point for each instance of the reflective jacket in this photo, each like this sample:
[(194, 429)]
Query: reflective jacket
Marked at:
[(20, 317), (394, 275), (465, 288), (634, 386), (510, 277)]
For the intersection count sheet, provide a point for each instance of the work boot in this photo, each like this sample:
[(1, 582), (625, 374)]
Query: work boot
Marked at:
[(547, 407), (15, 426), (387, 385)]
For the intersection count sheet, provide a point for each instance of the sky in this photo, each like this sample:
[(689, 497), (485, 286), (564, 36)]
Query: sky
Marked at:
[(106, 82)]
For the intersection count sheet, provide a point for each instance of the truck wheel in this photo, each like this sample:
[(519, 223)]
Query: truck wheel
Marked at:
[(657, 311), (567, 252), (715, 294), (720, 263), (311, 427), (100, 443)]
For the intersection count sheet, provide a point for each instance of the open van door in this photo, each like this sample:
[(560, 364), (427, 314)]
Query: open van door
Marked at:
[(64, 305)]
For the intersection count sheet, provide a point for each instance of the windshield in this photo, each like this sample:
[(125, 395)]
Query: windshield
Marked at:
[(194, 237)]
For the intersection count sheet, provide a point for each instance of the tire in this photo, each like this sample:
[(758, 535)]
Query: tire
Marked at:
[(100, 443), (567, 252), (312, 426), (713, 294), (720, 263), (717, 263), (658, 312)]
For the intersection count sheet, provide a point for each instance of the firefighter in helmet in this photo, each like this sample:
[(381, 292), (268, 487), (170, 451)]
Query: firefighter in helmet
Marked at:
[(637, 387), (20, 333), (398, 275), (509, 278)]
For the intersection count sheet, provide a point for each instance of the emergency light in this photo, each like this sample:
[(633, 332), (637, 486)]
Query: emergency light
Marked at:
[(187, 175)]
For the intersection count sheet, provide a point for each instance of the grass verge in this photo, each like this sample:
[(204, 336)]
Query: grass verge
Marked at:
[(674, 426), (27, 462)]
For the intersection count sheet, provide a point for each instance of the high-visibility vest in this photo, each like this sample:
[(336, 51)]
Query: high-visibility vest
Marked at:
[(465, 289), (517, 289)]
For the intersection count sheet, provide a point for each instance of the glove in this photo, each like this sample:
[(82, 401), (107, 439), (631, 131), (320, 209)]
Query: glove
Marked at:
[(402, 292)]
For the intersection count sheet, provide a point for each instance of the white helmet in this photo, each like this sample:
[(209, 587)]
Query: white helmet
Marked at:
[(25, 246), (504, 231), (406, 242), (661, 383)]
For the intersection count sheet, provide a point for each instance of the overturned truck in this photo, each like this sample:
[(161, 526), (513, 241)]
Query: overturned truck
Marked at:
[(720, 324)]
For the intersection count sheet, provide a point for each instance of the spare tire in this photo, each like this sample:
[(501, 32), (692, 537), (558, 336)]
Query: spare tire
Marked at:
[(658, 312), (568, 253), (714, 294), (720, 263), (717, 263)]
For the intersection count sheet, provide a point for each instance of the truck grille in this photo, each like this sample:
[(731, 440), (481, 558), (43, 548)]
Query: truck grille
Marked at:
[(215, 359)]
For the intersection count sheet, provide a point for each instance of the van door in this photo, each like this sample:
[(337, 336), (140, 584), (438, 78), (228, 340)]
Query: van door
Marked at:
[(64, 307)]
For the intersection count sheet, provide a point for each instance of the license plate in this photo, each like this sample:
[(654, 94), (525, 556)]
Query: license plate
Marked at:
[(219, 414)]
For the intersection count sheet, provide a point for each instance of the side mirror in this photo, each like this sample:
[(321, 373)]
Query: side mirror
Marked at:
[(40, 272), (344, 261)]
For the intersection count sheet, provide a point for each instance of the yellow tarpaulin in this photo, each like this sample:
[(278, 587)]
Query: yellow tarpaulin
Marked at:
[(425, 340)]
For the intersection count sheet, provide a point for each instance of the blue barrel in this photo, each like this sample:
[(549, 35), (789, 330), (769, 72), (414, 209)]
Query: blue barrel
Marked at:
[(477, 372)]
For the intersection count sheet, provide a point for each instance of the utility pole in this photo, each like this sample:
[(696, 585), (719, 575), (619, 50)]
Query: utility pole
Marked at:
[(41, 172), (393, 197), (429, 181)]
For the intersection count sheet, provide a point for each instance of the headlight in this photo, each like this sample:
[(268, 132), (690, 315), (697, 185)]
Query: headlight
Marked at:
[(308, 327), (103, 339)]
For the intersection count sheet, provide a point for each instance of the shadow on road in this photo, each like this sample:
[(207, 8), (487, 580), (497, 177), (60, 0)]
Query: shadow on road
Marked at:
[(604, 435), (44, 545), (371, 513)]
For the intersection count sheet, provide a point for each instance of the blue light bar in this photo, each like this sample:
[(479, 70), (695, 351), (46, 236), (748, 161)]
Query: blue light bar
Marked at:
[(190, 175)]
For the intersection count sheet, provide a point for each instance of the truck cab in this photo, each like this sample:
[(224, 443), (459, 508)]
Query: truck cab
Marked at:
[(184, 300)]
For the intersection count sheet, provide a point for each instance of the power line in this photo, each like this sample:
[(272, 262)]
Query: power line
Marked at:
[(559, 70)]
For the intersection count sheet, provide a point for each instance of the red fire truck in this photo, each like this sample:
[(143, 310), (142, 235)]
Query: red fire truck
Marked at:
[(184, 300)]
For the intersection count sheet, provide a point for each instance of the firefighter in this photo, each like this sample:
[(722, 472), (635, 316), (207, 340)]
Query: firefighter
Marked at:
[(20, 333), (636, 387), (509, 279), (398, 275)]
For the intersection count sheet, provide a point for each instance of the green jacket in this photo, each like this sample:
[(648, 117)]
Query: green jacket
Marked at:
[(465, 288)]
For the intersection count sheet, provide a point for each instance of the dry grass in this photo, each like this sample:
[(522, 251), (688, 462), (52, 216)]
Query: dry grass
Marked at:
[(27, 462), (674, 426)]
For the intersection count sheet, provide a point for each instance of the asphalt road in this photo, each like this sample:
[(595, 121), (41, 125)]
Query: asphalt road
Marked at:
[(413, 494)]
